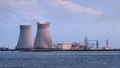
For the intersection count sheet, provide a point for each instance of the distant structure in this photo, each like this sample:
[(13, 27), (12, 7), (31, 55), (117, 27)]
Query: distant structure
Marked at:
[(25, 38), (86, 43), (43, 38), (97, 44), (107, 43), (63, 46)]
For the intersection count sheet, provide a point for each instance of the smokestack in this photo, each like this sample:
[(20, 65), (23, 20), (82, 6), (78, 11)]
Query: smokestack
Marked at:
[(97, 44), (107, 43), (43, 38), (25, 38)]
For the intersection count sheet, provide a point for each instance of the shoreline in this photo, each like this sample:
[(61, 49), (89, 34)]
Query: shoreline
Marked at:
[(39, 50)]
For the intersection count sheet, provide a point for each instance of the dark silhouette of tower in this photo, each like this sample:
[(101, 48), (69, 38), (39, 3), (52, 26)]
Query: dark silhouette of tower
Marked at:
[(107, 43), (97, 44)]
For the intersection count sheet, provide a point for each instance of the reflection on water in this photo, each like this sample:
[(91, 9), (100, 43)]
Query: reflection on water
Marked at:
[(60, 59)]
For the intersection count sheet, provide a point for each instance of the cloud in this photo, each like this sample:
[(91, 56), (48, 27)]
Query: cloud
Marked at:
[(75, 8), (6, 3), (18, 3), (23, 11)]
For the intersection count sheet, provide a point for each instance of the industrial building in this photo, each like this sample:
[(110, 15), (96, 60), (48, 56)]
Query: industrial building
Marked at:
[(63, 46), (25, 38), (43, 37), (78, 46), (70, 46)]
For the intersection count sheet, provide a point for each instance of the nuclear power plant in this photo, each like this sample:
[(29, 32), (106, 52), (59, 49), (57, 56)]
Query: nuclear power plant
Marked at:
[(43, 38), (25, 38)]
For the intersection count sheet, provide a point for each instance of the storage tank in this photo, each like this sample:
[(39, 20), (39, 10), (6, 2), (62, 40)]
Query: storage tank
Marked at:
[(25, 38), (43, 37)]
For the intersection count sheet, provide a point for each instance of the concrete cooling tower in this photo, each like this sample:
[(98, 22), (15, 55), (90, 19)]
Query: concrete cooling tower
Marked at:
[(43, 38), (25, 38)]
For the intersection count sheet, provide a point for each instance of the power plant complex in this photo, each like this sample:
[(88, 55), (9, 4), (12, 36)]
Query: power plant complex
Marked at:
[(43, 41), (43, 38)]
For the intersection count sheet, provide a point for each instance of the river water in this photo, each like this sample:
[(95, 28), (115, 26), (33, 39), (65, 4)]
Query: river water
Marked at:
[(60, 59)]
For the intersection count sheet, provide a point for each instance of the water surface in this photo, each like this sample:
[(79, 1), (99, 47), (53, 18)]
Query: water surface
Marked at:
[(60, 59)]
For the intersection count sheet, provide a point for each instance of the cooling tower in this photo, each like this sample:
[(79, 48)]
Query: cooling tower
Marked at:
[(25, 38), (43, 38)]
